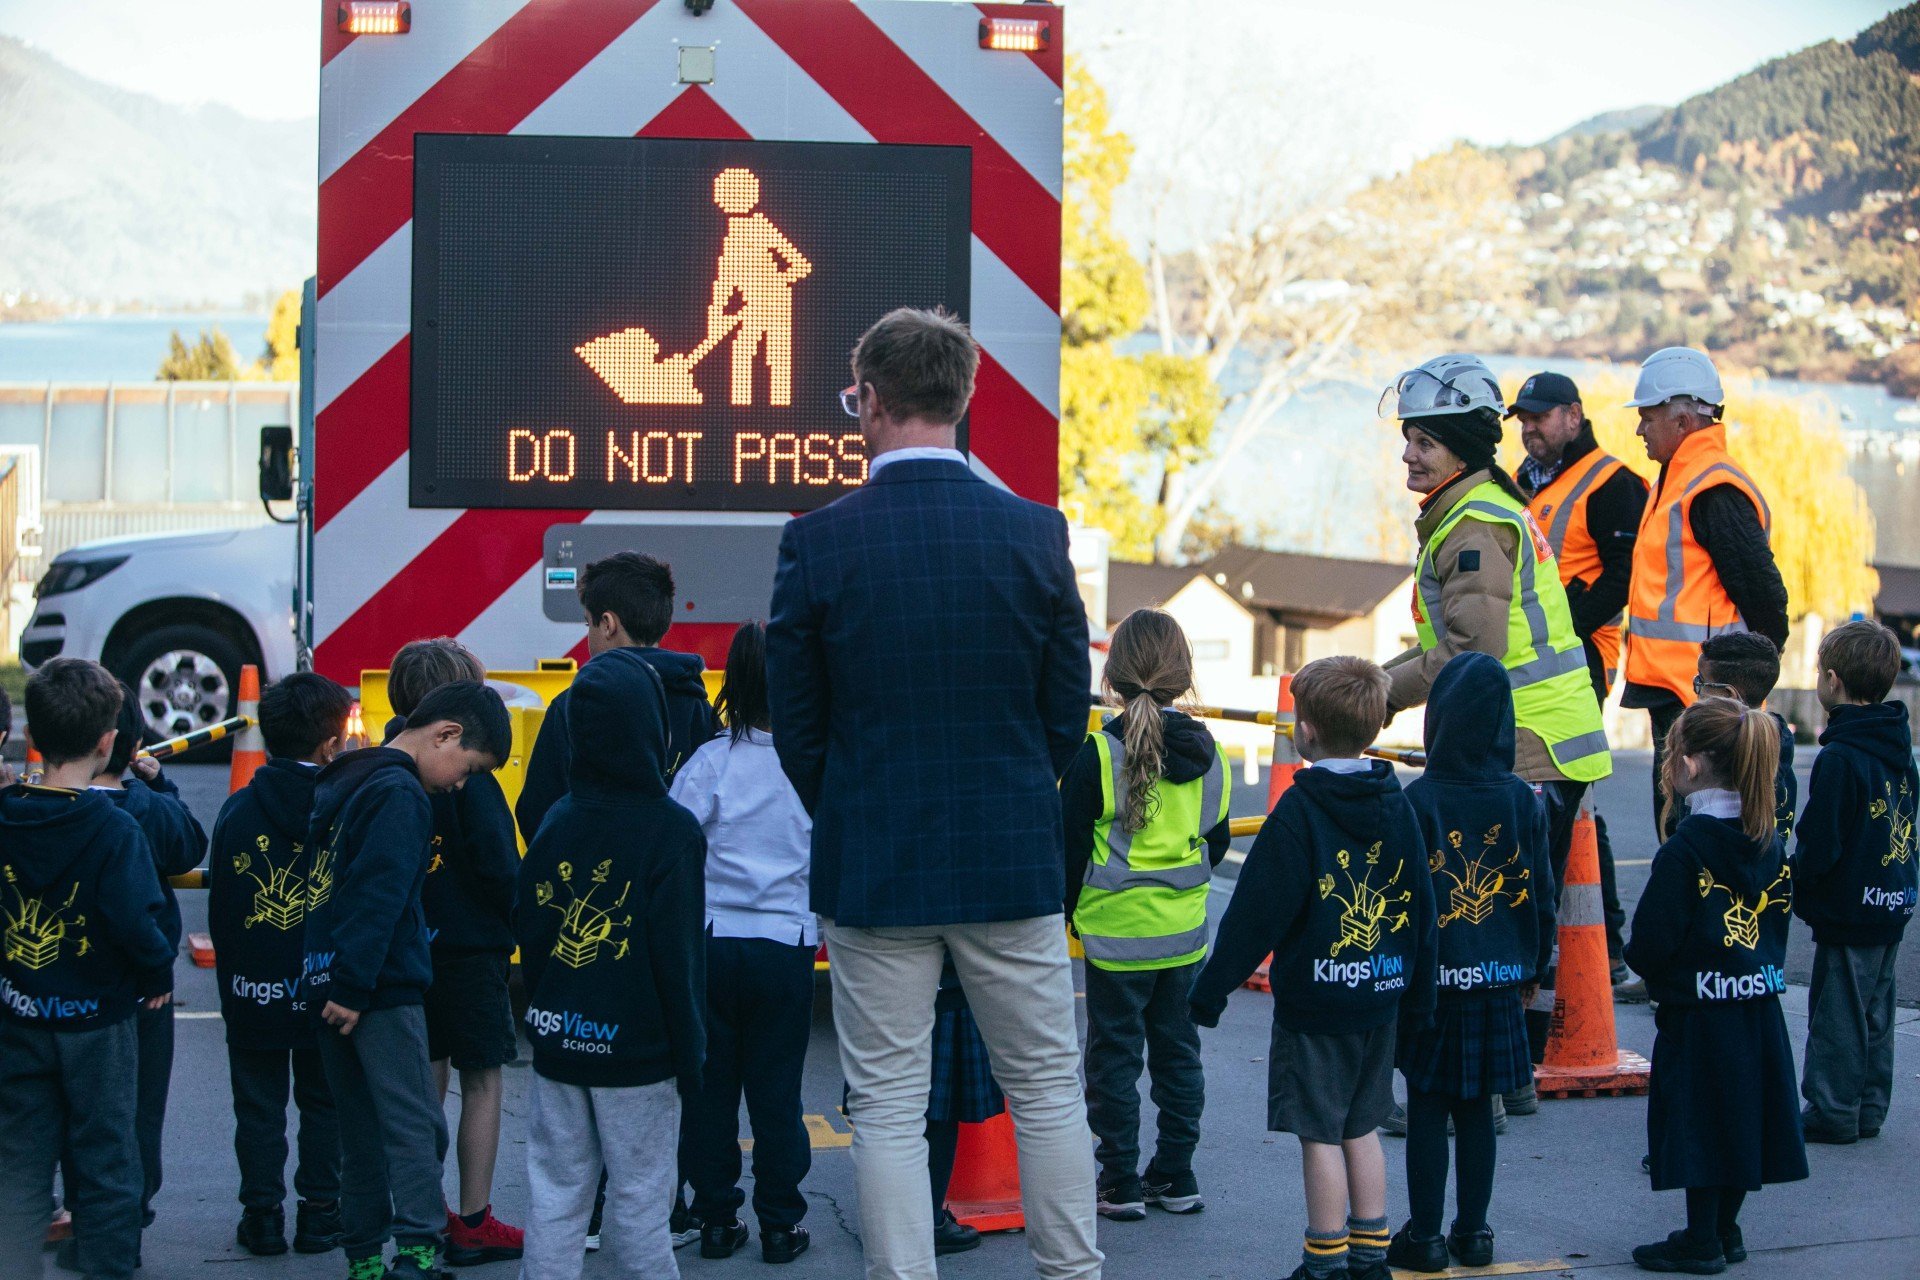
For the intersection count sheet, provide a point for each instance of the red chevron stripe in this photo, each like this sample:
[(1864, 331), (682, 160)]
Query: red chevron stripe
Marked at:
[(1014, 434), (694, 114), (513, 71), (362, 433), (895, 101), (1051, 59)]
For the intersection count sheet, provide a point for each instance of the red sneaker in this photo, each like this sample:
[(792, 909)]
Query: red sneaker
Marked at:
[(491, 1241)]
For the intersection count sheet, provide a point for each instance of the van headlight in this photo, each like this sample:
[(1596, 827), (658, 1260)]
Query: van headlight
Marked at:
[(70, 575)]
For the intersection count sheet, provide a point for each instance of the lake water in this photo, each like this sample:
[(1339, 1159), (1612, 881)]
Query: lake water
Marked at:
[(115, 348)]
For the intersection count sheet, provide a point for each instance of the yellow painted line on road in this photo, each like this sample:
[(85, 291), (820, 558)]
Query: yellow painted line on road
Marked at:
[(821, 1135)]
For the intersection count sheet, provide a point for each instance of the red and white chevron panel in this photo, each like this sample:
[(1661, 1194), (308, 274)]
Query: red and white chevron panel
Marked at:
[(888, 71)]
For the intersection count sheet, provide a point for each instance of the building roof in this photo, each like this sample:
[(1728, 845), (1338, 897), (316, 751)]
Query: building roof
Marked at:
[(1300, 589), (1899, 595)]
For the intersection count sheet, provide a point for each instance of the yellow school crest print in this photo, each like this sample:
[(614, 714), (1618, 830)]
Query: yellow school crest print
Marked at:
[(439, 859), (1897, 809), (1486, 883), (587, 926), (1369, 911), (1742, 918), (35, 931), (320, 877), (280, 898)]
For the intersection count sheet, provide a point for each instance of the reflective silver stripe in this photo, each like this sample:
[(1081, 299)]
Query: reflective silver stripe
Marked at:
[(1579, 904), (1546, 664), (1563, 515), (1691, 632), (1580, 747), (1676, 538), (1213, 794), (1547, 668), (1117, 872), (1165, 947)]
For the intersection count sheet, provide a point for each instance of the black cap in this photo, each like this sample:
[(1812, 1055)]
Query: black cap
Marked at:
[(1544, 391)]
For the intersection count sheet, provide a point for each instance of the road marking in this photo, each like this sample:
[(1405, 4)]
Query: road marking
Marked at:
[(1633, 862), (196, 1013), (821, 1135)]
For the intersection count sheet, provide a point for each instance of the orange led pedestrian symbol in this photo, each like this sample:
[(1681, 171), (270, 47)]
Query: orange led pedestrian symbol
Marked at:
[(759, 266)]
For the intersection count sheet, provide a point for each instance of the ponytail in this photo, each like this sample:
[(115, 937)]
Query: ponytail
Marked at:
[(1756, 758), (1742, 748), (1149, 665)]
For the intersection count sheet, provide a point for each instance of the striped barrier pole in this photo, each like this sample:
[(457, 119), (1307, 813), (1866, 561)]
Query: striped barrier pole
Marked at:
[(198, 738)]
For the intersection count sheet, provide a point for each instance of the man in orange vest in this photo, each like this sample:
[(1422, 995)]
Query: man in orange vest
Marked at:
[(1703, 564), (1589, 505)]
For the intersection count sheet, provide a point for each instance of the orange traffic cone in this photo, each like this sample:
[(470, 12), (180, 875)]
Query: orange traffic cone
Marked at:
[(1286, 763), (250, 748), (1583, 1055), (984, 1192), (35, 766)]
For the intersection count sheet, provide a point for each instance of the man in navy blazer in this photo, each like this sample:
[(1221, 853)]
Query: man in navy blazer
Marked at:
[(927, 662)]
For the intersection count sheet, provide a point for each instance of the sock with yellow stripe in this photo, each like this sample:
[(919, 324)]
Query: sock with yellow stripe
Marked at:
[(1325, 1254), (1366, 1242)]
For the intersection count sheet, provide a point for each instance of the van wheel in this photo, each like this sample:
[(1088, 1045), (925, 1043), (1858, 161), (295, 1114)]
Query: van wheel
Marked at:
[(186, 678)]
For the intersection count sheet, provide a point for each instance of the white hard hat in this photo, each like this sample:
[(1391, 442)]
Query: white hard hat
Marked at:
[(1677, 371), (1443, 385)]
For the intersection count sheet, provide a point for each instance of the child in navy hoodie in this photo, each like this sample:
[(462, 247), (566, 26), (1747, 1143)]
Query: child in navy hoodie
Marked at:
[(1710, 938), (1492, 872), (468, 899), (85, 948), (1335, 888), (368, 964), (178, 842), (609, 920), (1854, 881), (256, 914), (1746, 665)]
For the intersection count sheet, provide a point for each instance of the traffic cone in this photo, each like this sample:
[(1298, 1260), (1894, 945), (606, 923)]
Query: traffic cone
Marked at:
[(250, 748), (1286, 763), (35, 766), (1583, 1055), (984, 1192)]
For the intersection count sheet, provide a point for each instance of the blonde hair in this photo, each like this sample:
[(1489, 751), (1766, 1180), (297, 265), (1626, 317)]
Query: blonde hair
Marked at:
[(1149, 666), (1344, 699), (1742, 748), (424, 665)]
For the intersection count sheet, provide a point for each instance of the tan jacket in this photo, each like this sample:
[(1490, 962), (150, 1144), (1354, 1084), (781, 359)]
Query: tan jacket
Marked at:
[(1475, 606)]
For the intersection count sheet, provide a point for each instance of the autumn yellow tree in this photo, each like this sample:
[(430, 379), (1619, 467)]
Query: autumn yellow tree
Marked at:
[(280, 362), (1129, 422)]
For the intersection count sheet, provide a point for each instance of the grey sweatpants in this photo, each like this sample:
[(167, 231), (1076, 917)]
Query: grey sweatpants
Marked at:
[(69, 1096), (393, 1132), (634, 1134), (1849, 1072)]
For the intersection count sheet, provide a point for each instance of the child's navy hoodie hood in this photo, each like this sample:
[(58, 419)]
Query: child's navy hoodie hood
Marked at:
[(617, 725), (81, 904), (468, 895), (1856, 867), (1189, 749), (257, 906), (1485, 836), (175, 836)]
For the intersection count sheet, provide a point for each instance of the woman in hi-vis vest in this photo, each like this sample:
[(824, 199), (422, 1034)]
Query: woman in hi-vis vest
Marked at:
[(1487, 581)]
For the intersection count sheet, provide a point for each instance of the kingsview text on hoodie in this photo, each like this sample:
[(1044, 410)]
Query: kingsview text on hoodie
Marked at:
[(1484, 834), (81, 911), (369, 842), (257, 906), (611, 904), (1855, 868), (1336, 888)]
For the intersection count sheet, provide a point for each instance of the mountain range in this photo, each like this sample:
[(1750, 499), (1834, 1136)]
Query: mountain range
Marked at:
[(108, 196)]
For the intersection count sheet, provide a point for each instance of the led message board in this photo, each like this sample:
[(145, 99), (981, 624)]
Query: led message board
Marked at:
[(658, 323)]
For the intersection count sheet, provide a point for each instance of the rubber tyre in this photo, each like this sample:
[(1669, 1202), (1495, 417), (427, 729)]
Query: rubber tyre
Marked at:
[(132, 663)]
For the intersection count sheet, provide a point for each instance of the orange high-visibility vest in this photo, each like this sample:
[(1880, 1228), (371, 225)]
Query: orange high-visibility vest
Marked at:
[(1561, 510), (1678, 601)]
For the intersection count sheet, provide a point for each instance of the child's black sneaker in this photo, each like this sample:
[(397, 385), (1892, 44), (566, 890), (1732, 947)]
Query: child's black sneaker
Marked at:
[(950, 1235), (1174, 1192), (263, 1232), (1733, 1245), (783, 1244), (720, 1239), (1121, 1199), (684, 1227), (1679, 1252), (1372, 1271), (1472, 1248), (1413, 1252), (317, 1227)]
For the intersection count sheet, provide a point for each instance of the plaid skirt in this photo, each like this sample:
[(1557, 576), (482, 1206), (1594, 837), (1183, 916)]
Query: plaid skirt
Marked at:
[(963, 1085), (1474, 1048)]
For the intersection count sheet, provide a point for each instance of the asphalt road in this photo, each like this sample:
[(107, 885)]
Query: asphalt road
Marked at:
[(1569, 1198)]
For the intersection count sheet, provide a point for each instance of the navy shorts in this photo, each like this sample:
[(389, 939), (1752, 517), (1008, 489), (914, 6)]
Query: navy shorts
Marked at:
[(1330, 1088), (469, 1016)]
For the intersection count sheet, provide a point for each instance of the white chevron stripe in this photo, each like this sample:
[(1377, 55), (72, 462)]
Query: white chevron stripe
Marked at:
[(361, 549), (364, 316), (627, 84), (763, 89), (370, 82), (1018, 330), (1005, 93)]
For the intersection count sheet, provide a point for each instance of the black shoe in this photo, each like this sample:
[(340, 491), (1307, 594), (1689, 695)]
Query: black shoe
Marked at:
[(1646, 1164), (1174, 1192), (682, 1225), (1733, 1245), (1830, 1137), (1415, 1252), (950, 1235), (1372, 1271), (1471, 1248), (1866, 1132), (263, 1232), (783, 1244), (1121, 1199), (720, 1239), (415, 1262), (1678, 1253), (317, 1227)]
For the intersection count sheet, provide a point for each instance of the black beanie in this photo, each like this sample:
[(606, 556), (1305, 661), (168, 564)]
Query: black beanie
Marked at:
[(1473, 436)]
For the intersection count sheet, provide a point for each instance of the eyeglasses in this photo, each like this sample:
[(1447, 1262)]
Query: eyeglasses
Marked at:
[(850, 401), (1702, 685)]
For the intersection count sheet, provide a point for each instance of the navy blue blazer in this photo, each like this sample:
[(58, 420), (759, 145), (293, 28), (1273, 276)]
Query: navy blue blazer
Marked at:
[(927, 663)]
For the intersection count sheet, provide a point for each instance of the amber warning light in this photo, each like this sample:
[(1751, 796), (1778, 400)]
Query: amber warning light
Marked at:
[(1015, 35), (375, 17)]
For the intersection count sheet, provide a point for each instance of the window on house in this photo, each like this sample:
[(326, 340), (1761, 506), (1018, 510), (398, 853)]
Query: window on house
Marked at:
[(1212, 650)]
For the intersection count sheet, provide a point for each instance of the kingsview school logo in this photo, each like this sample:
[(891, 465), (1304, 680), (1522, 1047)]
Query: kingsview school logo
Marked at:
[(585, 926), (1742, 918), (1897, 809), (37, 933), (1484, 884), (1369, 915), (577, 1033)]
